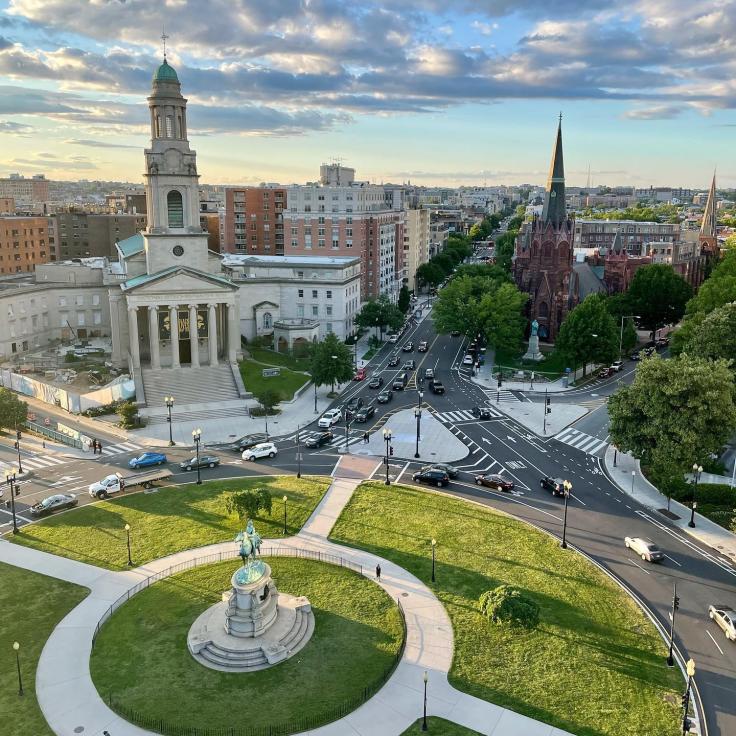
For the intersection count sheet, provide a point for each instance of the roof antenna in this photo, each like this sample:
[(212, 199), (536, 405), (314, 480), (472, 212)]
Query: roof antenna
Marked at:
[(163, 38)]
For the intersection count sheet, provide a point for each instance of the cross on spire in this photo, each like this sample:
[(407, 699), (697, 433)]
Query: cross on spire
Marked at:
[(163, 38)]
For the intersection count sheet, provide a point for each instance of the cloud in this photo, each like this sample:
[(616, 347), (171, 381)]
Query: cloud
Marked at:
[(8, 127), (97, 144), (485, 29), (657, 112)]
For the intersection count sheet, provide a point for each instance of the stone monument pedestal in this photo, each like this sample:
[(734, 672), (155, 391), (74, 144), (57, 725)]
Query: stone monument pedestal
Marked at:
[(253, 627), (533, 352)]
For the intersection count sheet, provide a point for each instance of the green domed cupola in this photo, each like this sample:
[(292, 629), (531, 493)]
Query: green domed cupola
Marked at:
[(165, 73)]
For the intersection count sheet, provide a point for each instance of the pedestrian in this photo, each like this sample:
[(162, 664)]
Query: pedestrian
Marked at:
[(365, 438), (99, 447), (378, 572)]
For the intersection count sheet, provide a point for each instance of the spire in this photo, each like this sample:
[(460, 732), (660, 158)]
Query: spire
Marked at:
[(554, 200), (163, 38), (617, 245), (709, 226)]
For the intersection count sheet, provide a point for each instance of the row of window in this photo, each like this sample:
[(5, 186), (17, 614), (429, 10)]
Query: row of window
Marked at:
[(315, 293), (314, 310)]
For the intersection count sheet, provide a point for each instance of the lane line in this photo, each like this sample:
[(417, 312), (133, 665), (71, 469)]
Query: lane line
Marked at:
[(640, 567), (714, 641)]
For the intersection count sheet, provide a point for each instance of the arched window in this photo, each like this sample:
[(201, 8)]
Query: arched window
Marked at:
[(179, 130), (543, 310), (169, 126), (267, 320), (175, 208), (158, 126), (546, 250)]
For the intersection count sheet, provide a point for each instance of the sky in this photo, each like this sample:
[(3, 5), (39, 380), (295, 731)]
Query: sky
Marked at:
[(436, 92)]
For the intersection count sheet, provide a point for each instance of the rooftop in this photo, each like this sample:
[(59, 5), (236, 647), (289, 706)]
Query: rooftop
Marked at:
[(236, 259), (165, 73)]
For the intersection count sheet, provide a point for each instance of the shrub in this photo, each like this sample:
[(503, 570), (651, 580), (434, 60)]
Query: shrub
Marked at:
[(128, 413), (505, 604), (716, 494)]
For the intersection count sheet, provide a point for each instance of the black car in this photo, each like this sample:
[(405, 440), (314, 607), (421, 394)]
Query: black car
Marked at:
[(455, 333), (635, 356), (375, 382), (451, 470), (409, 365), (54, 503), (385, 396), (249, 440), (408, 347), (364, 414), (354, 404), (205, 461), (317, 440), (434, 476), (553, 485), (436, 387), (394, 360), (482, 412), (495, 481)]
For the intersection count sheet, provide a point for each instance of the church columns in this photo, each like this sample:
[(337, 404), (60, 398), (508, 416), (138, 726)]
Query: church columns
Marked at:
[(135, 351), (174, 322), (193, 336), (212, 333), (153, 337), (233, 333)]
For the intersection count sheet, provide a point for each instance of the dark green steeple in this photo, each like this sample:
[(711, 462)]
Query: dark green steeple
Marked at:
[(554, 200)]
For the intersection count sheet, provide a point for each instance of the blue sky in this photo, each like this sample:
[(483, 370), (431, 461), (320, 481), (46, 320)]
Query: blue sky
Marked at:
[(452, 92)]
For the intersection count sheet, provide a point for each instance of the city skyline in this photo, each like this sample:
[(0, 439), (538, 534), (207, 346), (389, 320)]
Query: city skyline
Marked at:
[(451, 94)]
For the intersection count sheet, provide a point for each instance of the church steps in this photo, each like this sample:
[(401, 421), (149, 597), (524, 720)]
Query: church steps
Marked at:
[(202, 385)]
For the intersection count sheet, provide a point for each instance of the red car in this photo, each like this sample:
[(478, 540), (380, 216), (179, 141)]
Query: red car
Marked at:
[(495, 481), (605, 372), (360, 374)]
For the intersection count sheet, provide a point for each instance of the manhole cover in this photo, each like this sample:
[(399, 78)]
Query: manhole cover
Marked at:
[(79, 729), (405, 595)]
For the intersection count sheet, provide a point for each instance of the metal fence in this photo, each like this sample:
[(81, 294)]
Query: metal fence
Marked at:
[(52, 434), (283, 728)]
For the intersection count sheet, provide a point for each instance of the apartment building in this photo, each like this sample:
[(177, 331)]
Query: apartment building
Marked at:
[(25, 242), (416, 244), (254, 220), (25, 191), (86, 235), (635, 235), (7, 206)]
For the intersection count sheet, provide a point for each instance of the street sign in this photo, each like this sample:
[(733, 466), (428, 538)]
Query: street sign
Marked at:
[(271, 372)]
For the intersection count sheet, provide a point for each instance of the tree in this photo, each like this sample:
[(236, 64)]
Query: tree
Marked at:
[(445, 262), (484, 270), (658, 295), (501, 317), (504, 249), (13, 411), (716, 335), (268, 398), (506, 604), (380, 313), (404, 299), (330, 361), (127, 411), (430, 273), (247, 504), (589, 333), (675, 413), (457, 305)]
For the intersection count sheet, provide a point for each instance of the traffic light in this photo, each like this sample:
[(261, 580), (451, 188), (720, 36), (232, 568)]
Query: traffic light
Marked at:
[(499, 380), (17, 490), (391, 451), (547, 407), (675, 602), (685, 701), (18, 434), (15, 444)]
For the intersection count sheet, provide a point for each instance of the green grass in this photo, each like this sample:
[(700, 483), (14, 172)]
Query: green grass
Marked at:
[(439, 726), (552, 366), (594, 666), (271, 357), (173, 519), (32, 605), (357, 635), (285, 385)]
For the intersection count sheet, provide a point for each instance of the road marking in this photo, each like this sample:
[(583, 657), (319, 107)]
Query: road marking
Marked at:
[(714, 641), (673, 560), (17, 516), (403, 470), (640, 567)]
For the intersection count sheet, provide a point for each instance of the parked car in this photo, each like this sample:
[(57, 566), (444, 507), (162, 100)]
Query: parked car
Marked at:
[(423, 346), (635, 356), (468, 360), (354, 404), (491, 480), (408, 347), (393, 337), (365, 413), (409, 365), (617, 365), (385, 396), (436, 387), (605, 372), (329, 418), (662, 342), (451, 470), (53, 503), (394, 360), (429, 373), (360, 374), (645, 548), (725, 617), (265, 449), (375, 382), (482, 412), (205, 461), (433, 476), (146, 460), (455, 333), (553, 485), (250, 440), (650, 350), (317, 440)]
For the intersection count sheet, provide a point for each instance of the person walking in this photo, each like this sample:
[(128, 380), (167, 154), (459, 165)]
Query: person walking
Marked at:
[(366, 438), (99, 447), (378, 573)]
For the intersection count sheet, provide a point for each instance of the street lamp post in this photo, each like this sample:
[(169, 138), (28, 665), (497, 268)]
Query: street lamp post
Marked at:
[(418, 415), (284, 499), (387, 437), (127, 535), (16, 648), (315, 398), (17, 447), (621, 334), (424, 718), (10, 480), (690, 669), (697, 470), (675, 606), (434, 546), (298, 453), (567, 486), (197, 435), (169, 401), (348, 417)]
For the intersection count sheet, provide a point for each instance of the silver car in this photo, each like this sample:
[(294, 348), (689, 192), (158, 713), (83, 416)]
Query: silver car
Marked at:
[(725, 617), (648, 551)]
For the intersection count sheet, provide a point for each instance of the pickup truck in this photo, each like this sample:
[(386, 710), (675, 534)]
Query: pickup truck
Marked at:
[(118, 482)]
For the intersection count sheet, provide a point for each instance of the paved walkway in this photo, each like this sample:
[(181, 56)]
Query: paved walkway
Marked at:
[(71, 704), (627, 475)]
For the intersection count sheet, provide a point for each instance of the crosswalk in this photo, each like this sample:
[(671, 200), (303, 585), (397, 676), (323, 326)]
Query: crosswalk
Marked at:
[(337, 441), (581, 441), (505, 395), (463, 415), (119, 448), (36, 462)]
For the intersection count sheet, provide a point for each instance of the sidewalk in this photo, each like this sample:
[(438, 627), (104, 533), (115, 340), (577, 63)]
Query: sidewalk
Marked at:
[(628, 477), (70, 702)]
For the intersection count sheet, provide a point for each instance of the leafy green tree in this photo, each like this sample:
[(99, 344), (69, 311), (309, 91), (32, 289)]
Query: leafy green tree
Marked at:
[(475, 233), (676, 412), (430, 273), (457, 305), (330, 361), (515, 222), (658, 295), (127, 411), (484, 270), (13, 411), (380, 313), (445, 262), (506, 604), (268, 398), (589, 333), (404, 299), (247, 504), (715, 336), (715, 292), (501, 317), (504, 249)]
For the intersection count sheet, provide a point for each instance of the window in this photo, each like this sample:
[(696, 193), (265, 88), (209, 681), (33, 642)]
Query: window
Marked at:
[(97, 317), (314, 294), (267, 320), (169, 126), (175, 207), (301, 293), (329, 293), (315, 310), (62, 301), (328, 310), (80, 300), (300, 274), (299, 310), (80, 319), (95, 300), (328, 326)]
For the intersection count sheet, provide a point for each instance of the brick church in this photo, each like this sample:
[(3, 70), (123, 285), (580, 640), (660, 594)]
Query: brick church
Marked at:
[(543, 258)]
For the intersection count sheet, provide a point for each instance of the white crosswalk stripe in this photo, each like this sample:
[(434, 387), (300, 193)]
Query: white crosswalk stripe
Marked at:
[(36, 462), (463, 415), (120, 447), (581, 441), (506, 395)]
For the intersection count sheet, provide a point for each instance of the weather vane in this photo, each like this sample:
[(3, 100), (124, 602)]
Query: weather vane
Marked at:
[(163, 38)]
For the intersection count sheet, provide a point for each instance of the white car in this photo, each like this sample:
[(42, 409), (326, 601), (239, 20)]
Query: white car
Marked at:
[(468, 360), (645, 547), (393, 337), (265, 449), (329, 418)]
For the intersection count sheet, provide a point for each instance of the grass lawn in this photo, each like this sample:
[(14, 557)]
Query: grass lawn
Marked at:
[(168, 521), (31, 606), (271, 357), (592, 641), (285, 385), (552, 366), (357, 635), (439, 726)]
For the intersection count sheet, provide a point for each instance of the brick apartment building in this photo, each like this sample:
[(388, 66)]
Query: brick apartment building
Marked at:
[(25, 242), (85, 235), (253, 220), (635, 235), (25, 191), (7, 206)]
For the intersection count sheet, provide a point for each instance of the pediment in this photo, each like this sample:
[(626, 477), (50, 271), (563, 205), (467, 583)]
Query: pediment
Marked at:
[(179, 280)]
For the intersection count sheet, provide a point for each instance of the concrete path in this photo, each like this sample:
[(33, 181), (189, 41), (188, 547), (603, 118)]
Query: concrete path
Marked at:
[(627, 475), (71, 704)]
